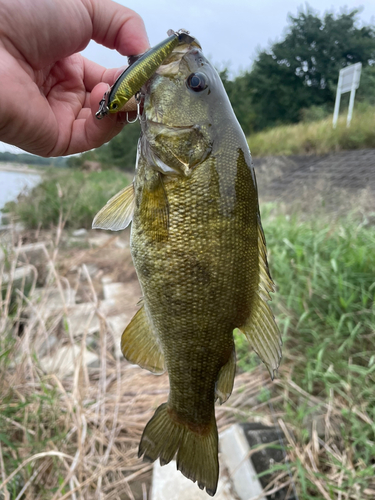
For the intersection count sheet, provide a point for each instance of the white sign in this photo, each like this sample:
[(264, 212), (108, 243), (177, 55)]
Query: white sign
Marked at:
[(348, 82)]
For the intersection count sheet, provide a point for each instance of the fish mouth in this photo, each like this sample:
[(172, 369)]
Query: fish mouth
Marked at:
[(160, 124)]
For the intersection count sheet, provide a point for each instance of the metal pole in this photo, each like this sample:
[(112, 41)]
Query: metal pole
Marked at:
[(337, 102), (351, 101)]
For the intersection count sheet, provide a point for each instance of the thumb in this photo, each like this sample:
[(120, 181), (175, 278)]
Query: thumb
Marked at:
[(118, 27)]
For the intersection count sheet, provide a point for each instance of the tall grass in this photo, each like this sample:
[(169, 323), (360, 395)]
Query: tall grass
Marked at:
[(317, 137), (325, 305)]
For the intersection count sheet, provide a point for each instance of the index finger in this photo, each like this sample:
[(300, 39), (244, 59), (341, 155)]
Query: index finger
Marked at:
[(94, 73)]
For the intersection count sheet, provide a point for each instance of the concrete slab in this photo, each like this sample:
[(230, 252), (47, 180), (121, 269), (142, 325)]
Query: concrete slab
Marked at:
[(54, 298), (64, 361), (237, 480), (36, 254), (117, 325), (82, 317), (101, 239), (258, 435), (22, 274), (169, 484), (80, 233), (120, 292), (235, 452)]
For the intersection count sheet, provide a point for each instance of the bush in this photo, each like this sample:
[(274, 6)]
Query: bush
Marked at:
[(75, 196)]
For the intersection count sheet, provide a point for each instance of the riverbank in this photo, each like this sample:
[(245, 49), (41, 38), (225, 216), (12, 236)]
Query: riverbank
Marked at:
[(67, 297), (21, 168)]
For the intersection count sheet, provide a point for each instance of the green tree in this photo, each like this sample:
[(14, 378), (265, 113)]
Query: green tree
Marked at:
[(301, 70)]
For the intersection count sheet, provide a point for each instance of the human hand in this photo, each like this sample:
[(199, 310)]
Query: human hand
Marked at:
[(50, 92)]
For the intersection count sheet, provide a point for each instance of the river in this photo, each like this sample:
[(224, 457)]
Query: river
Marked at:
[(13, 183)]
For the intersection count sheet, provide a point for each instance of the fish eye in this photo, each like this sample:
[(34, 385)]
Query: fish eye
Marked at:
[(197, 82)]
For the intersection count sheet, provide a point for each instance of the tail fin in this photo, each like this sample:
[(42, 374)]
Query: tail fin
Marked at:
[(197, 453)]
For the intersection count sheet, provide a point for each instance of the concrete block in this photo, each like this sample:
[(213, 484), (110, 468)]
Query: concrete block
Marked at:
[(36, 254), (117, 325), (120, 292), (53, 298), (257, 434), (169, 484), (64, 361), (237, 480), (234, 452), (80, 233), (22, 274), (101, 239), (82, 317)]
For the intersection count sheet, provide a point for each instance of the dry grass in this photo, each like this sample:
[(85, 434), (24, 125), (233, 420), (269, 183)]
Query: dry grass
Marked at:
[(77, 437)]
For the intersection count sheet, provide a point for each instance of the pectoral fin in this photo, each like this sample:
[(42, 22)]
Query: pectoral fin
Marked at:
[(118, 212), (260, 328), (225, 381), (139, 344)]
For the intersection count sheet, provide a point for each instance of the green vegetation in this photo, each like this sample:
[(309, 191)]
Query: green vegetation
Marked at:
[(293, 81), (73, 195), (325, 305), (317, 137), (120, 152), (302, 70)]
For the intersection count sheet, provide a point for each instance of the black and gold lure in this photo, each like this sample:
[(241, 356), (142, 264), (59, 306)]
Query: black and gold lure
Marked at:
[(136, 75)]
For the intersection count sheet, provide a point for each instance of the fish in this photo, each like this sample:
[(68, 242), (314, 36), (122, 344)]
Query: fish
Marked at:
[(199, 251), (142, 67)]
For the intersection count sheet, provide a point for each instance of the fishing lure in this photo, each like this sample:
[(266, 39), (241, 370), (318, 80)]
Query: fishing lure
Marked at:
[(136, 75)]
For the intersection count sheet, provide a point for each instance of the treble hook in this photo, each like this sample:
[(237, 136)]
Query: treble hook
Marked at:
[(136, 118), (103, 107), (138, 97)]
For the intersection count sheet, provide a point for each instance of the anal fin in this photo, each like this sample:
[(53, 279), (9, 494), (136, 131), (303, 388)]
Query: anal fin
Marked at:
[(225, 381), (139, 344)]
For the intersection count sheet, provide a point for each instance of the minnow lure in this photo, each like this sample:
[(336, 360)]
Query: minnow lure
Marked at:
[(136, 75)]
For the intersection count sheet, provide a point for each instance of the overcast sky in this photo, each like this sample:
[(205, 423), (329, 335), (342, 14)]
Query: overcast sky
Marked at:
[(230, 31)]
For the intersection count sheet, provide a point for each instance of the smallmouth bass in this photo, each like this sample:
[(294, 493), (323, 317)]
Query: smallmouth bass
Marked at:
[(200, 254)]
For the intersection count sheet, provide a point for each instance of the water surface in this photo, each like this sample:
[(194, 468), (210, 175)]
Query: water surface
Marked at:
[(14, 183)]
